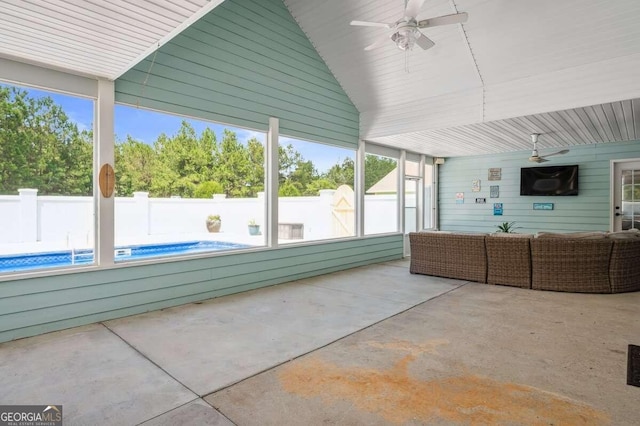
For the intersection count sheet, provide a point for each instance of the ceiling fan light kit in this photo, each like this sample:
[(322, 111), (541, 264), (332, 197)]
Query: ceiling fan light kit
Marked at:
[(406, 37), (406, 31)]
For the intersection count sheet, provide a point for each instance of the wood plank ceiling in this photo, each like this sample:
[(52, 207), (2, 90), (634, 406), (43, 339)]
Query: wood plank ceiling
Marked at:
[(564, 68), (94, 38), (611, 122)]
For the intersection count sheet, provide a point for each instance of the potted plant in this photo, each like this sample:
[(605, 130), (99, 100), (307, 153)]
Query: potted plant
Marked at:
[(214, 223), (507, 227), (254, 228)]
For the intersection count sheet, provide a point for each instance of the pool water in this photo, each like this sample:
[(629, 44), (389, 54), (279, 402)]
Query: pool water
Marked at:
[(26, 261)]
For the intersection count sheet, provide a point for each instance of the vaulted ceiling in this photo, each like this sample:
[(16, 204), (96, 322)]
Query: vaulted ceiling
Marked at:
[(490, 82), (564, 68)]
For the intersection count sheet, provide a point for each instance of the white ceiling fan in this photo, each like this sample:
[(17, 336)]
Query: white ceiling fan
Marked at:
[(535, 158), (406, 31)]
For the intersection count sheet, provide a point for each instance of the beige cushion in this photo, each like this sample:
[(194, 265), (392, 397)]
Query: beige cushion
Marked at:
[(550, 235), (623, 235), (581, 235), (511, 235)]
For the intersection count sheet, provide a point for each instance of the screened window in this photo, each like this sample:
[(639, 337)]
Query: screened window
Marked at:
[(315, 197), (185, 186), (381, 194), (46, 180)]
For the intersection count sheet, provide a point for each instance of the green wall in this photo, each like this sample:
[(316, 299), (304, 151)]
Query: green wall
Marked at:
[(39, 305), (246, 61), (589, 211)]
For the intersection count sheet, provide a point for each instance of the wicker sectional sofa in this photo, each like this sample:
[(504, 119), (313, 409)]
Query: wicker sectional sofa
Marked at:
[(580, 262)]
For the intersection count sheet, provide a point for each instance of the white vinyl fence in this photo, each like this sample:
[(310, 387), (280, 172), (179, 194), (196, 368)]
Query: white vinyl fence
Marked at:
[(29, 222)]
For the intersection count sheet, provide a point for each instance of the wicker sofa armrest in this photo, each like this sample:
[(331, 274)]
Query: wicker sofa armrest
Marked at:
[(460, 256), (624, 268)]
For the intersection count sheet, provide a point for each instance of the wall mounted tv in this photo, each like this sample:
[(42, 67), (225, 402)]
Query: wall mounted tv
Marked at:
[(552, 180)]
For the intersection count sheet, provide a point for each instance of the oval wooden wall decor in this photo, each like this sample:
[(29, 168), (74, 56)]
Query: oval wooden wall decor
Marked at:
[(106, 180)]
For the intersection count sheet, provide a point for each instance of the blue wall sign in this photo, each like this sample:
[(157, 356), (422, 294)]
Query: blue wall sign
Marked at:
[(543, 206)]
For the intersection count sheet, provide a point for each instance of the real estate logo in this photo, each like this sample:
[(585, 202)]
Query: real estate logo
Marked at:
[(30, 415)]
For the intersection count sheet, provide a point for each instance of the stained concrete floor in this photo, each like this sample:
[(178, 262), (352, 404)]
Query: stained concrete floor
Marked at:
[(373, 345)]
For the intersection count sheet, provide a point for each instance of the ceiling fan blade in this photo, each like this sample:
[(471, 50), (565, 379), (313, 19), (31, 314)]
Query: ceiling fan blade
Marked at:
[(413, 8), (536, 159), (370, 24), (564, 151), (456, 18), (377, 43), (425, 42)]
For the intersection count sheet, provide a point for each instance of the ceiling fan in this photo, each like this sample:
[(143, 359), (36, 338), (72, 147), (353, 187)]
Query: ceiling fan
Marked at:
[(535, 158), (406, 31)]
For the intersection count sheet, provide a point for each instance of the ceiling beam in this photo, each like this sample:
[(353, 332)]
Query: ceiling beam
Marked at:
[(47, 78)]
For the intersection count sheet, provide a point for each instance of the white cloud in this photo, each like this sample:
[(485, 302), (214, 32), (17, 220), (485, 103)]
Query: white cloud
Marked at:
[(75, 120), (245, 135), (81, 126)]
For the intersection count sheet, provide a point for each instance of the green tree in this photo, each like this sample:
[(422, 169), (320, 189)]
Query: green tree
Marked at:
[(133, 166), (233, 167), (208, 188), (78, 160), (321, 183), (296, 175), (288, 158), (182, 162), (40, 147), (255, 179), (304, 175), (375, 168), (341, 173), (289, 189)]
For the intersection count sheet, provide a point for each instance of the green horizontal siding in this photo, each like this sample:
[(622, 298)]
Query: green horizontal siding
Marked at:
[(38, 305), (589, 211), (245, 61)]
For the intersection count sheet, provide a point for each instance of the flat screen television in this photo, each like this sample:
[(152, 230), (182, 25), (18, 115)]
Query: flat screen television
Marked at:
[(552, 180)]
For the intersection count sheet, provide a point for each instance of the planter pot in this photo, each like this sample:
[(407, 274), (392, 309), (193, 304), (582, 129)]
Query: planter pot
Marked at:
[(213, 225), (254, 229)]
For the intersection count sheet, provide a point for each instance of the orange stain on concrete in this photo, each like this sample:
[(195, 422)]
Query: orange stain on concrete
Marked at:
[(399, 398), (429, 347)]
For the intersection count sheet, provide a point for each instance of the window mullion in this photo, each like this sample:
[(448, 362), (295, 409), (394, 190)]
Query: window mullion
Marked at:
[(272, 168), (359, 188), (104, 154)]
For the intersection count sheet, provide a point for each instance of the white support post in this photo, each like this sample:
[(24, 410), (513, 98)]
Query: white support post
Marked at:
[(104, 154), (359, 185), (271, 184), (420, 198), (435, 197), (401, 175)]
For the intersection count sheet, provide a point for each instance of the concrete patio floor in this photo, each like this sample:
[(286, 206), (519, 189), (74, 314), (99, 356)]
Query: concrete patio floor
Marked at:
[(372, 345)]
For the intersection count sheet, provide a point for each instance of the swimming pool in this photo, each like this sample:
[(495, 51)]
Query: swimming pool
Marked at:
[(26, 261)]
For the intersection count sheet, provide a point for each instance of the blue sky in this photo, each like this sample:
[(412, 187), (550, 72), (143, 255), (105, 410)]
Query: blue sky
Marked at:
[(145, 126)]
